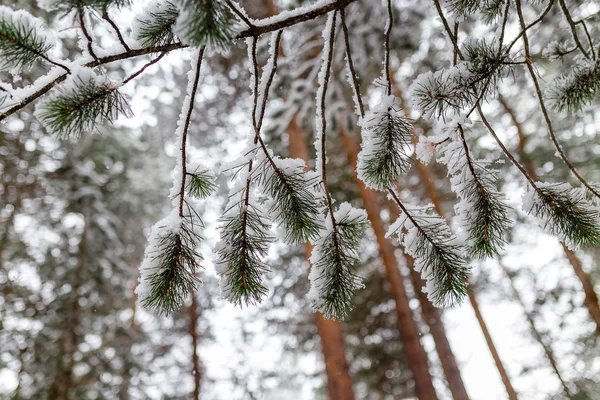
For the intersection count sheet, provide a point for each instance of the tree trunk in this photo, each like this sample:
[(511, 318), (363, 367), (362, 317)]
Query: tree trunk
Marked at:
[(409, 331), (535, 332), (196, 372), (339, 382), (512, 394), (433, 318), (426, 178), (591, 298)]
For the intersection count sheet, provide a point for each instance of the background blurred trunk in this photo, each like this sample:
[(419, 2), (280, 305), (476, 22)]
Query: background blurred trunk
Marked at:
[(535, 332), (409, 331), (339, 382), (591, 298), (196, 372)]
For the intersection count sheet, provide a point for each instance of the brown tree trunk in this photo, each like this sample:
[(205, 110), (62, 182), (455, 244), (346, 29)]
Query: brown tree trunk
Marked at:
[(196, 372), (591, 298), (426, 178), (409, 331), (535, 332), (512, 394), (339, 382), (433, 318)]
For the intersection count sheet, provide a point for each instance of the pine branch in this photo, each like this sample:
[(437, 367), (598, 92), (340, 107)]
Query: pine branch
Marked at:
[(438, 255), (295, 202), (81, 107), (66, 6), (482, 209), (155, 27), (542, 104), (578, 89), (206, 23), (245, 240), (333, 260), (334, 255), (565, 212), (259, 29), (169, 270), (386, 142), (201, 184), (23, 40)]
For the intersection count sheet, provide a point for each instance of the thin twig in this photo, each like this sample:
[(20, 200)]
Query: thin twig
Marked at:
[(321, 105), (186, 126), (545, 113), (115, 28), (141, 70), (85, 32), (388, 34), (353, 73)]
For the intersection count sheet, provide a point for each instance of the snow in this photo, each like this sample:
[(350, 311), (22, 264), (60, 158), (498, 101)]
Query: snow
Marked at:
[(284, 15)]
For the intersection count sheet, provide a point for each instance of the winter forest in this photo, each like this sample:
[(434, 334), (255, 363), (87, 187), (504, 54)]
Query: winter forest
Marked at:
[(300, 199)]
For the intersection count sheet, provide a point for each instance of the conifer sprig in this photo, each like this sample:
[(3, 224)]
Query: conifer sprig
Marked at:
[(296, 205), (155, 27), (245, 241), (87, 102), (201, 184), (67, 6), (174, 262), (565, 212), (481, 210), (333, 259), (386, 145), (295, 202), (489, 8), (208, 23), (23, 40), (439, 257), (576, 90)]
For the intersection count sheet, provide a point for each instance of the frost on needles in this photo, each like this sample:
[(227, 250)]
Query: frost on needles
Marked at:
[(439, 255), (85, 101), (333, 259), (23, 40), (386, 139)]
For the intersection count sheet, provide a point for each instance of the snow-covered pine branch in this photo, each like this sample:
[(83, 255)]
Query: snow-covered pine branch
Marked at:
[(565, 212), (481, 210), (206, 23), (386, 146), (153, 27), (577, 89), (490, 9), (66, 6), (24, 40), (439, 256), (83, 102), (335, 254), (296, 203), (448, 91), (168, 272), (245, 242), (333, 259)]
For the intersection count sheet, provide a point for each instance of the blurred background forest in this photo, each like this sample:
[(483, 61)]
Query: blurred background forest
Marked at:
[(75, 215)]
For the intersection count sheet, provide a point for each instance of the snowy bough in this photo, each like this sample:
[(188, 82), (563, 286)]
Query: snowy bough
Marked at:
[(269, 193)]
